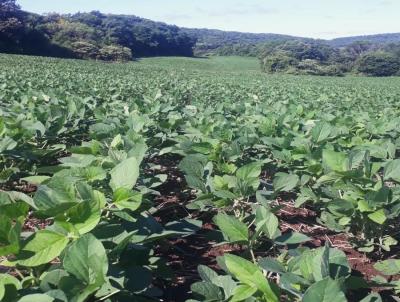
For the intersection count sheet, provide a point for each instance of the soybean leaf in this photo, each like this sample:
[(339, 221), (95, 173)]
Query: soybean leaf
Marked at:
[(249, 274), (125, 174), (326, 290), (334, 161), (232, 228), (40, 248), (271, 265), (206, 273), (206, 291), (321, 132), (252, 170), (378, 216), (242, 292), (291, 238), (388, 267), (127, 199), (285, 182), (86, 259), (36, 298), (392, 170), (9, 287)]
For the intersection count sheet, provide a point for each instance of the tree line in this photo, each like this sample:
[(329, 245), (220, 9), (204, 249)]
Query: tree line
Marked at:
[(89, 35), (318, 58), (108, 37)]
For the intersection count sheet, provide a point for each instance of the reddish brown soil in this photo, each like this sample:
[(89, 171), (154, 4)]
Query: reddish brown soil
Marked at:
[(32, 223)]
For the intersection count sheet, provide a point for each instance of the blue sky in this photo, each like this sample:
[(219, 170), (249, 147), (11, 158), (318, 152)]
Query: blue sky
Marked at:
[(309, 18)]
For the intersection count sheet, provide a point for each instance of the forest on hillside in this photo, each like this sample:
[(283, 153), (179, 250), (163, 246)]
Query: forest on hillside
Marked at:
[(88, 35), (109, 37), (316, 58)]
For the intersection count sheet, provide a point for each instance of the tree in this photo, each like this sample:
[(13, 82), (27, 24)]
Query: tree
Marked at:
[(85, 50), (279, 62), (10, 18), (7, 8), (116, 53), (379, 64)]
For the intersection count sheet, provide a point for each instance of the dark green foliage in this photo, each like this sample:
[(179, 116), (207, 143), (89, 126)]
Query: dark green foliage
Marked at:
[(298, 57), (317, 58), (115, 53), (87, 135), (89, 35), (279, 62), (218, 42), (379, 64), (211, 42), (373, 39), (85, 50)]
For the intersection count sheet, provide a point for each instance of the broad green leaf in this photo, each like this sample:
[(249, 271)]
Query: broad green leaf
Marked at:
[(40, 248), (242, 292), (125, 174), (232, 228), (206, 273), (266, 222), (249, 274), (306, 195), (78, 160), (9, 286), (51, 279), (271, 265), (392, 170), (388, 267), (292, 238), (321, 132), (193, 166), (9, 236), (326, 290), (285, 182), (86, 259), (91, 174), (378, 216), (252, 170), (334, 161), (206, 291), (56, 196), (338, 264), (58, 295), (226, 283), (127, 199), (84, 216), (36, 298), (36, 180)]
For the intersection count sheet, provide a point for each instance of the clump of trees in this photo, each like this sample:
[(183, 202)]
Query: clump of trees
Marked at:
[(115, 53), (379, 64), (318, 58), (86, 50), (89, 35)]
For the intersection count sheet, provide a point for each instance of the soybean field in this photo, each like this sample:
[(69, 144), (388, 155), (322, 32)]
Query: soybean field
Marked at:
[(183, 179)]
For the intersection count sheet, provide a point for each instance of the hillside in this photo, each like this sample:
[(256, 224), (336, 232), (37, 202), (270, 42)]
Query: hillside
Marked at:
[(111, 37), (209, 40), (91, 35), (238, 43), (376, 39)]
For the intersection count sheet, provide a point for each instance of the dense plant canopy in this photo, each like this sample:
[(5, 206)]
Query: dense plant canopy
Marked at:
[(317, 58), (109, 37), (88, 35), (134, 182)]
